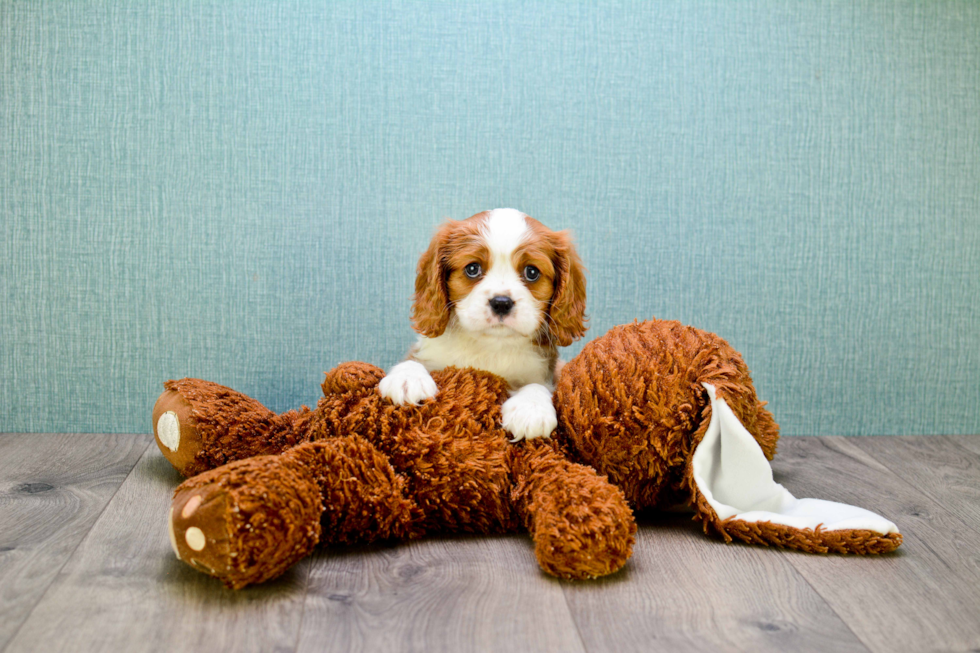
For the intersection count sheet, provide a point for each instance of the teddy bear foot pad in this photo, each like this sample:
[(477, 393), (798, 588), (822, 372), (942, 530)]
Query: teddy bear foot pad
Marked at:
[(175, 429)]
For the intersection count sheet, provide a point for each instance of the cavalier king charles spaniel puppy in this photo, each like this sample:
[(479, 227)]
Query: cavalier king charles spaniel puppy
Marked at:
[(500, 292)]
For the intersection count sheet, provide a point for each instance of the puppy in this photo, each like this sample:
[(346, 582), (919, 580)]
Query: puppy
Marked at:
[(500, 292)]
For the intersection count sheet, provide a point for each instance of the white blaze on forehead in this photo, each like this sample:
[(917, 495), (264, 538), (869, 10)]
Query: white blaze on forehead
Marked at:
[(504, 230)]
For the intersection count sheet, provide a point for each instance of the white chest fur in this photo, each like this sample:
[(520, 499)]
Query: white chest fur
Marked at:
[(512, 357)]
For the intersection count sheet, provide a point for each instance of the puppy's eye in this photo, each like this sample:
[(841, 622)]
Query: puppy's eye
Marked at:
[(531, 273), (473, 270)]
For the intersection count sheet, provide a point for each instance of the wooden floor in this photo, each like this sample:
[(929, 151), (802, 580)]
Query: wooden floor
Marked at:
[(85, 565)]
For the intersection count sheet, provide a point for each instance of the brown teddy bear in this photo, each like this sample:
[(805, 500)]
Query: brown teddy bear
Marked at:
[(650, 414)]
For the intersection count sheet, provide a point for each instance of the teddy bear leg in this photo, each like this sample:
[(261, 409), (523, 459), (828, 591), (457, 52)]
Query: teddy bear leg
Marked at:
[(581, 524), (199, 425), (250, 520), (246, 522)]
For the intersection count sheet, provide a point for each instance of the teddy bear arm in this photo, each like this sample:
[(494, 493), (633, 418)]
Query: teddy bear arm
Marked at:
[(352, 376), (199, 425), (581, 525), (250, 520)]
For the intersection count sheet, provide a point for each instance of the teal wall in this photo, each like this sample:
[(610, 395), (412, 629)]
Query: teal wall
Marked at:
[(239, 190)]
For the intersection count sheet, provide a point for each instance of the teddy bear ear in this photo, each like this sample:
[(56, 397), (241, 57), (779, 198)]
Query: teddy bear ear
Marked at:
[(736, 496), (430, 308)]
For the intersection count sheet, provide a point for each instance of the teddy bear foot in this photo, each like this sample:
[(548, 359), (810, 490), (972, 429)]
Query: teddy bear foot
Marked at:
[(250, 520), (199, 529), (201, 425), (246, 522), (176, 432)]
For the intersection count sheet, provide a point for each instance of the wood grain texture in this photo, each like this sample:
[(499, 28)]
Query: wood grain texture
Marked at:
[(52, 489), (460, 594), (969, 442), (124, 590), (119, 587), (936, 467), (685, 592), (926, 595)]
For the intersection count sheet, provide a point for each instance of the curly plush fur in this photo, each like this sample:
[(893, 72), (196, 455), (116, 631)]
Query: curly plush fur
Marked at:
[(632, 408), (369, 470)]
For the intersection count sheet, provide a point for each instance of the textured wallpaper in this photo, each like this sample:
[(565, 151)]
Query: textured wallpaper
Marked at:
[(239, 190)]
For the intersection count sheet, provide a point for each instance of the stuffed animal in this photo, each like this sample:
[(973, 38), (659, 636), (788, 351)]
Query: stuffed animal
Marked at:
[(651, 414)]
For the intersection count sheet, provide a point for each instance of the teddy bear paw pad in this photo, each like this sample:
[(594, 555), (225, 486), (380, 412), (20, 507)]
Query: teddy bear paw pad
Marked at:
[(175, 429), (199, 530), (168, 430)]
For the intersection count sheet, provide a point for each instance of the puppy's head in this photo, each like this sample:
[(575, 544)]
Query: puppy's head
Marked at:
[(501, 273)]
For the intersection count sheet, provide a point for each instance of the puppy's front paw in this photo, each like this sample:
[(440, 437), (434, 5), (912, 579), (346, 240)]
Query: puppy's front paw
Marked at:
[(529, 413), (408, 383)]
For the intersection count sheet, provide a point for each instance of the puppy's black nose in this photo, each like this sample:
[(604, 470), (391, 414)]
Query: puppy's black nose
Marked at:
[(501, 305)]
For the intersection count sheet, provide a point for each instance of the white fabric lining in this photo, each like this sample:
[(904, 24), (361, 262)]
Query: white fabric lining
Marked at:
[(735, 478)]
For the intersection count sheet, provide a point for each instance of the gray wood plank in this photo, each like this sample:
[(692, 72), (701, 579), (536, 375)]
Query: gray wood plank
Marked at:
[(935, 466), (968, 442), (683, 591), (926, 595), (124, 590), (52, 489), (454, 594)]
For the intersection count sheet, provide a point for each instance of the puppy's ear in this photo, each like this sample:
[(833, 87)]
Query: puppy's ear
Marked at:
[(567, 310), (430, 309)]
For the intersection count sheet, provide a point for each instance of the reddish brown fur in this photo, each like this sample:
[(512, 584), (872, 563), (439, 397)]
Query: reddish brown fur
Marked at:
[(440, 281), (631, 406), (566, 311), (432, 302), (383, 471), (551, 492), (263, 514), (458, 257)]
